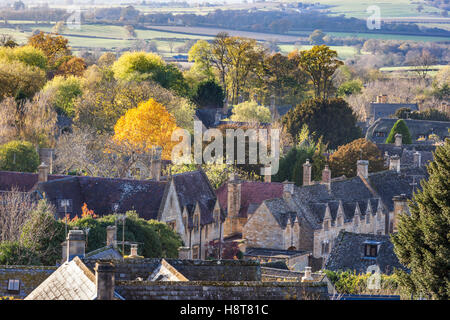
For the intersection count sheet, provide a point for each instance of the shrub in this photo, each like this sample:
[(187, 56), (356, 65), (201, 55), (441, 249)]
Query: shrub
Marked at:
[(18, 156)]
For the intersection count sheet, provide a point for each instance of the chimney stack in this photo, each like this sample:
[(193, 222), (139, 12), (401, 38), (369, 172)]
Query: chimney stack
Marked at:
[(398, 140), (307, 173), (288, 189), (134, 250), (326, 177), (156, 163), (362, 168), (46, 155), (104, 276), (111, 236), (417, 159), (268, 174), (184, 253), (400, 206), (43, 172), (75, 244), (307, 277), (382, 98), (394, 163), (234, 195)]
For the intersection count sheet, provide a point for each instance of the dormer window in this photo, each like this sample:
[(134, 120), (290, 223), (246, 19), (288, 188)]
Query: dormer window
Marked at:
[(13, 285), (371, 250)]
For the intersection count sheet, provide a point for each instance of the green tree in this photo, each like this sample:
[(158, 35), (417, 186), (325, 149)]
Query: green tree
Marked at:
[(43, 234), (28, 55), (201, 54), (13, 253), (349, 88), (18, 156), (332, 119), (250, 111), (19, 80), (208, 94), (319, 63), (63, 92), (422, 241), (399, 127), (343, 161), (155, 238)]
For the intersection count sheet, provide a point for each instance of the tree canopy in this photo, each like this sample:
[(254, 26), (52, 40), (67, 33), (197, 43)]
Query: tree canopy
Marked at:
[(422, 241), (250, 111), (332, 119), (18, 156), (401, 128)]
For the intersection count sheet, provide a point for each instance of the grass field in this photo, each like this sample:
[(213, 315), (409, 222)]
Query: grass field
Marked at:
[(397, 8), (344, 52)]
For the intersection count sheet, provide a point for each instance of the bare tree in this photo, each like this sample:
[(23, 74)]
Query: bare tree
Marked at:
[(423, 63), (15, 209)]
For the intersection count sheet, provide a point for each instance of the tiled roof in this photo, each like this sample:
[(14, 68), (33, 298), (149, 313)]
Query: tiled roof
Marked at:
[(348, 253), (71, 281), (104, 253), (22, 181), (416, 128), (101, 194), (384, 110), (252, 193), (281, 211), (265, 252)]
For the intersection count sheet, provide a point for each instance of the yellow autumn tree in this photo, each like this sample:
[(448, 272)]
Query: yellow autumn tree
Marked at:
[(149, 125)]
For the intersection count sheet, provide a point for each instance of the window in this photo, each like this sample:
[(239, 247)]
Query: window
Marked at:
[(196, 224), (172, 224), (195, 251), (371, 250), (136, 173), (13, 285)]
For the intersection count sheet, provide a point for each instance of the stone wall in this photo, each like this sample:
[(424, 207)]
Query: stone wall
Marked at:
[(30, 277), (263, 231), (203, 290), (194, 270)]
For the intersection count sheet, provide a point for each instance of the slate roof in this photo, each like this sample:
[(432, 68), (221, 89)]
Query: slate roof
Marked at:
[(384, 110), (21, 181), (348, 253), (166, 272), (252, 193), (265, 252), (104, 253), (390, 183), (281, 211), (416, 128), (30, 277), (101, 194)]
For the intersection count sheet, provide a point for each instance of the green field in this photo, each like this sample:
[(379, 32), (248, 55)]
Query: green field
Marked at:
[(344, 52), (397, 8)]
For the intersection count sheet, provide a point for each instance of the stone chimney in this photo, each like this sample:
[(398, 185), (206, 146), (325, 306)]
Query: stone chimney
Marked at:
[(326, 177), (398, 140), (234, 195), (111, 236), (64, 251), (184, 253), (394, 163), (43, 172), (104, 276), (46, 155), (268, 176), (382, 98), (307, 173), (288, 189), (417, 159), (75, 244), (362, 168), (400, 206), (307, 277), (156, 164), (134, 250)]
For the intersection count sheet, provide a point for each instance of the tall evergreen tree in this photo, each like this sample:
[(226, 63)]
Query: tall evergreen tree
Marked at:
[(399, 127), (422, 243)]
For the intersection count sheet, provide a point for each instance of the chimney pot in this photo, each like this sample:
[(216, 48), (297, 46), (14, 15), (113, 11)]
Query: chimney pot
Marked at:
[(307, 277), (326, 177), (134, 250), (104, 274), (417, 159)]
